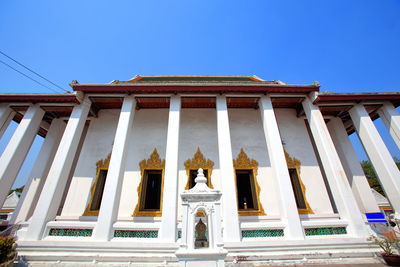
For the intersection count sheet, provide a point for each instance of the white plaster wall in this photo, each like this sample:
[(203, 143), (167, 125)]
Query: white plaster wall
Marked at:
[(247, 133), (198, 130), (298, 144), (97, 146), (149, 132)]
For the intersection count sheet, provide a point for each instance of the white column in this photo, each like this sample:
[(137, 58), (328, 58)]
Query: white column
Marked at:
[(108, 212), (379, 155), (391, 118), (168, 232), (49, 200), (289, 213), (14, 154), (37, 177), (230, 213), (355, 174), (6, 115), (341, 191)]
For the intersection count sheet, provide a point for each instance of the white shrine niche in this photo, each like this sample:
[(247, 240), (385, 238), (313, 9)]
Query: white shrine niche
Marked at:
[(201, 241)]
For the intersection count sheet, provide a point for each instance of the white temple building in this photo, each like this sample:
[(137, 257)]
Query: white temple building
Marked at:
[(115, 179)]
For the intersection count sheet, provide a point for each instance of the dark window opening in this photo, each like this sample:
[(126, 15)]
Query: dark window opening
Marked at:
[(193, 175), (298, 192), (98, 192), (246, 192), (151, 191)]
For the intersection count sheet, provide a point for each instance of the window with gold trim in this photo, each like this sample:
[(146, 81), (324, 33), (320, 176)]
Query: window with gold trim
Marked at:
[(192, 165), (150, 187), (96, 192), (247, 188), (298, 187)]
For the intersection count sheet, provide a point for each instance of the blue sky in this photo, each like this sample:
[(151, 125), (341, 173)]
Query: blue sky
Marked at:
[(348, 46)]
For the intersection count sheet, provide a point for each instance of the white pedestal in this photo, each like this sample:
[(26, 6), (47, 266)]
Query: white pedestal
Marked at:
[(201, 257)]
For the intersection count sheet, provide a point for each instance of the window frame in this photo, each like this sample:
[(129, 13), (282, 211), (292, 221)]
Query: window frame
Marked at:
[(294, 163), (144, 191), (100, 165), (209, 184), (243, 162), (154, 162), (199, 161)]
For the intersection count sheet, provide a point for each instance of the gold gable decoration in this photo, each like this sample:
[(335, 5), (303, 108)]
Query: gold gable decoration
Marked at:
[(294, 163), (198, 161), (100, 165), (242, 161), (153, 162)]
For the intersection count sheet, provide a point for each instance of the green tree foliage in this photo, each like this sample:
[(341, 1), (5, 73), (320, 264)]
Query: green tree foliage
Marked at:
[(371, 175), (7, 250), (19, 189)]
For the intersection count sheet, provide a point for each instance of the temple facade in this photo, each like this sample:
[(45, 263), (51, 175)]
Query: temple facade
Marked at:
[(116, 179)]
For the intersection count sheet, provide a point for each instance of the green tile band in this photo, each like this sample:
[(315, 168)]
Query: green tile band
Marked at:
[(136, 233), (70, 232), (263, 233), (326, 231)]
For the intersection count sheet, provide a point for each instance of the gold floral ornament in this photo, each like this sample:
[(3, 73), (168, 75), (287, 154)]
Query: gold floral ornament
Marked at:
[(198, 161), (243, 162), (294, 163), (154, 162), (101, 165)]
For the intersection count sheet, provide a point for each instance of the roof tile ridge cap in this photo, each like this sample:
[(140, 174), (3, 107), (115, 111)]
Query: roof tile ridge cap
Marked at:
[(259, 83)]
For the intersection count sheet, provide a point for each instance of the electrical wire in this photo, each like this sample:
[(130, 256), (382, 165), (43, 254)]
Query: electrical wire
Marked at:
[(83, 102), (30, 78), (34, 72)]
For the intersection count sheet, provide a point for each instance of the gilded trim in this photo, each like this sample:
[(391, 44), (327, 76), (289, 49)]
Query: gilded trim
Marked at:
[(243, 162), (154, 162), (198, 161), (100, 165), (294, 163)]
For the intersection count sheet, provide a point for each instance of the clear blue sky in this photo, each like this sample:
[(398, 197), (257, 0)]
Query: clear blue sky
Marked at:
[(348, 46)]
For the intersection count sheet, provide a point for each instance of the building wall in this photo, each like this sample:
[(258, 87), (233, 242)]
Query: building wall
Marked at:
[(198, 130), (298, 144), (247, 133), (97, 146), (149, 132)]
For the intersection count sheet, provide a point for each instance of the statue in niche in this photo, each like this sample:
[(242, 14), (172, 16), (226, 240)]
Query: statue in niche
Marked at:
[(201, 239)]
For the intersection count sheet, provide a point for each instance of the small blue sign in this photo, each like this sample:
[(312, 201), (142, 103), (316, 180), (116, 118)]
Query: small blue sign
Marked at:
[(376, 217)]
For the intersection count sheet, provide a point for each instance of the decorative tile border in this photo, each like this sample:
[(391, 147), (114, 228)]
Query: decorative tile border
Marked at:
[(136, 233), (70, 232), (263, 233), (326, 231)]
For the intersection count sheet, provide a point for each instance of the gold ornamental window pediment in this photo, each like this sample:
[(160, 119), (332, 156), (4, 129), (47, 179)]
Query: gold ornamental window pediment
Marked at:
[(153, 166), (299, 189), (199, 161), (96, 193), (243, 164)]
